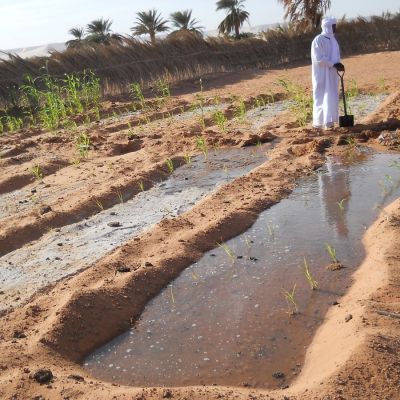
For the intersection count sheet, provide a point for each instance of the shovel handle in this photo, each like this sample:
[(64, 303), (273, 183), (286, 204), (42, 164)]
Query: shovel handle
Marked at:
[(343, 92), (340, 74)]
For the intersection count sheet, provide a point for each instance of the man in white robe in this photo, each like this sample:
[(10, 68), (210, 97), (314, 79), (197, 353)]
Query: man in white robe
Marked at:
[(325, 55)]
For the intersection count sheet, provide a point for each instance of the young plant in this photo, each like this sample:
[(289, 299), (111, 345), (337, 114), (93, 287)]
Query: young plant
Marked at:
[(99, 204), (307, 273), (302, 102), (260, 102), (83, 145), (331, 252), (163, 91), (131, 133), (220, 119), (341, 204), (188, 158), (37, 172), (229, 252), (172, 295), (240, 112), (72, 93), (291, 301), (141, 185), (137, 94), (352, 90), (12, 124), (201, 144), (170, 165), (247, 241), (382, 84)]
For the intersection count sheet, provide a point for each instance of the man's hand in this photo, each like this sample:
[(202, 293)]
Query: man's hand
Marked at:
[(339, 66)]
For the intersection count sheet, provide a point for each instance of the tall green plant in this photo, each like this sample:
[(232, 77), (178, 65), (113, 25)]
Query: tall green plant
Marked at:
[(302, 102)]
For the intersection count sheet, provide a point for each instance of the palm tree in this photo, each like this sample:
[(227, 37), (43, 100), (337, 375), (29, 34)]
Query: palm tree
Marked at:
[(305, 13), (235, 18), (183, 21), (99, 31), (149, 23), (78, 41)]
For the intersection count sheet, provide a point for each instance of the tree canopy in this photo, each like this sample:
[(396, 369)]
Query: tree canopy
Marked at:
[(149, 23), (235, 18)]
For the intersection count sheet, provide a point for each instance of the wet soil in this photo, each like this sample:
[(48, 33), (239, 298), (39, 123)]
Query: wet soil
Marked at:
[(185, 336), (64, 251), (63, 323)]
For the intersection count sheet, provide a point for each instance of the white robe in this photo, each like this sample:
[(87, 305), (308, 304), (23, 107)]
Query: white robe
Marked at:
[(325, 53)]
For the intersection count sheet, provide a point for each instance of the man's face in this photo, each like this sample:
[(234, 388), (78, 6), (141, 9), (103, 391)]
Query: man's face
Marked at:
[(334, 28)]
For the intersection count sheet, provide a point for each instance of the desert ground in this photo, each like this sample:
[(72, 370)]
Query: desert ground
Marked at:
[(64, 295)]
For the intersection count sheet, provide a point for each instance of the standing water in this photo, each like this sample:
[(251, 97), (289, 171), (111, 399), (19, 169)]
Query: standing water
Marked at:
[(64, 251), (224, 320)]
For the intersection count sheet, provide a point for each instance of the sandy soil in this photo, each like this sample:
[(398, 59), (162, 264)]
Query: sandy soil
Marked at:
[(60, 325)]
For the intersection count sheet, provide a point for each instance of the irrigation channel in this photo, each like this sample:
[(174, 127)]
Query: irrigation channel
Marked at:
[(65, 251), (224, 320)]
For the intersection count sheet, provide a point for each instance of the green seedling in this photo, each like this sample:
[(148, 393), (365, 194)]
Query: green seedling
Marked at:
[(99, 204), (217, 100), (172, 295), (307, 273), (352, 89), (83, 145), (228, 251), (302, 101), (291, 301), (194, 276), (170, 165), (247, 241), (331, 252), (341, 204), (137, 94), (260, 102), (201, 144), (220, 120), (240, 112), (96, 113), (163, 91), (37, 172), (131, 133), (382, 84), (12, 124), (141, 185), (188, 158)]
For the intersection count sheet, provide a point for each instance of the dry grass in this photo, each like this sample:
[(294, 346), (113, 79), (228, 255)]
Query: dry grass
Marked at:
[(184, 57)]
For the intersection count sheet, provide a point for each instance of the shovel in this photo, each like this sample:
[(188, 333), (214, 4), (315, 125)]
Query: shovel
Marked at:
[(346, 120)]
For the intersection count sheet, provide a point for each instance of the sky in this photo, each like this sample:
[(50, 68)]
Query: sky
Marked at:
[(25, 23)]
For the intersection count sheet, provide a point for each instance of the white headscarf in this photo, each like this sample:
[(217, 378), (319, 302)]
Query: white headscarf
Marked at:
[(326, 25)]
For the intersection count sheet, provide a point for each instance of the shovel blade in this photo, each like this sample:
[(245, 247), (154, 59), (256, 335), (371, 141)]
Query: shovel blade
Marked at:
[(346, 121)]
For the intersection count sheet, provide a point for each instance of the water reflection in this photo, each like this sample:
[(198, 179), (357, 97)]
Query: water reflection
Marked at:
[(223, 320)]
